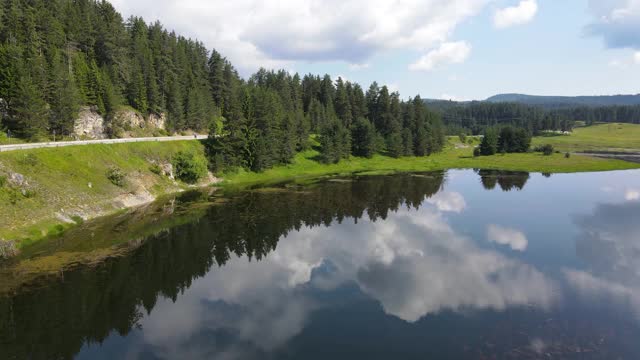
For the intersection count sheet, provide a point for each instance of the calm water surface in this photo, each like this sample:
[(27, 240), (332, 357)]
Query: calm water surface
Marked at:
[(456, 265)]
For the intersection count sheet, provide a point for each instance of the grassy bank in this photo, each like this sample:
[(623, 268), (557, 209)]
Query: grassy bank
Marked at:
[(454, 157), (64, 185), (602, 137)]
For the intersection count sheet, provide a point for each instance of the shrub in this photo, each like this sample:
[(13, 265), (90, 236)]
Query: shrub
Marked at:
[(189, 167), (116, 176), (567, 155), (156, 169), (477, 152), (547, 149), (3, 181), (463, 138), (27, 193), (77, 219)]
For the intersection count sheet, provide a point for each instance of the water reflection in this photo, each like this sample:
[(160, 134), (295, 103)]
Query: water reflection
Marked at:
[(508, 180), (610, 244), (373, 263)]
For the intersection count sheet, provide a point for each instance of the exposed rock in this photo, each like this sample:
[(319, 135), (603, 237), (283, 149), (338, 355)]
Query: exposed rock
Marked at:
[(17, 179), (129, 119), (158, 121), (134, 199), (8, 249), (167, 170), (89, 124), (212, 180)]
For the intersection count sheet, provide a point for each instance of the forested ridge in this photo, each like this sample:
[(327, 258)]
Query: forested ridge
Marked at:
[(476, 116), (59, 55)]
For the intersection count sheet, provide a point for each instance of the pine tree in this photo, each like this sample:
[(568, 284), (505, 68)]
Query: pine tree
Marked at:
[(364, 138), (64, 99), (489, 144), (30, 110), (343, 104)]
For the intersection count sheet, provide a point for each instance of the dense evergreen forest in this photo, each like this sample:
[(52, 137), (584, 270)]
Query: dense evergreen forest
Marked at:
[(472, 118), (59, 55)]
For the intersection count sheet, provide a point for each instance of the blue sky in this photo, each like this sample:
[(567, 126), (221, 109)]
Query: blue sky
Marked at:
[(453, 49)]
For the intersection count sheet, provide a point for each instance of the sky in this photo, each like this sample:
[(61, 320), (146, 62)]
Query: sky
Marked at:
[(442, 49)]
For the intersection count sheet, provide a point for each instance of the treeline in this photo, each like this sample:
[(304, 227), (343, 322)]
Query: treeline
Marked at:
[(507, 139), (475, 117), (603, 114), (276, 112), (59, 55)]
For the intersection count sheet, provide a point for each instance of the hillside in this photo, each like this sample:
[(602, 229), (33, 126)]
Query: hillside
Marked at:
[(567, 101)]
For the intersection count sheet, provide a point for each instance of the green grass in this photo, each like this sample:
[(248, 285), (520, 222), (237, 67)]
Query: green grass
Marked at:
[(60, 177), (305, 166), (73, 180), (602, 137)]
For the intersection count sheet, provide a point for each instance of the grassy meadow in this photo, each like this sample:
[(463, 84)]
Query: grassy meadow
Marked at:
[(601, 137)]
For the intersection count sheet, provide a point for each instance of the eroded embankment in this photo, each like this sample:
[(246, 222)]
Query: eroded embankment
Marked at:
[(43, 191)]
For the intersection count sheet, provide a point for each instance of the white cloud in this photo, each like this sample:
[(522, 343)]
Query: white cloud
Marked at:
[(618, 22), (447, 53), (594, 287), (636, 57), (616, 63), (413, 263), (632, 195), (358, 67), (523, 13), (273, 33), (448, 201), (505, 236)]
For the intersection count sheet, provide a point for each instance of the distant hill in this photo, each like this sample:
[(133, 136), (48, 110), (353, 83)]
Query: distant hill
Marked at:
[(567, 101)]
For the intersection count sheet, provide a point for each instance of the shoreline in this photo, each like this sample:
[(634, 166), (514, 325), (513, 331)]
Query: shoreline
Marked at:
[(63, 199)]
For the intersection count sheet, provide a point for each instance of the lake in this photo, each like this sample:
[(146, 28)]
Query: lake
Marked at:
[(456, 265)]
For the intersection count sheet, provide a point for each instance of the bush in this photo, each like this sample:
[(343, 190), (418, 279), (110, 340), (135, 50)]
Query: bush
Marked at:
[(156, 169), (477, 152), (27, 193), (3, 181), (463, 138), (547, 149), (189, 167), (116, 176), (567, 155)]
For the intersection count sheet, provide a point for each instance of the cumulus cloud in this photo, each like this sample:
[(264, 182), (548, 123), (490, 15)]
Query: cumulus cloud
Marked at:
[(446, 53), (252, 33), (448, 201), (617, 22), (520, 14), (593, 287), (608, 243), (506, 236), (413, 263), (636, 57)]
